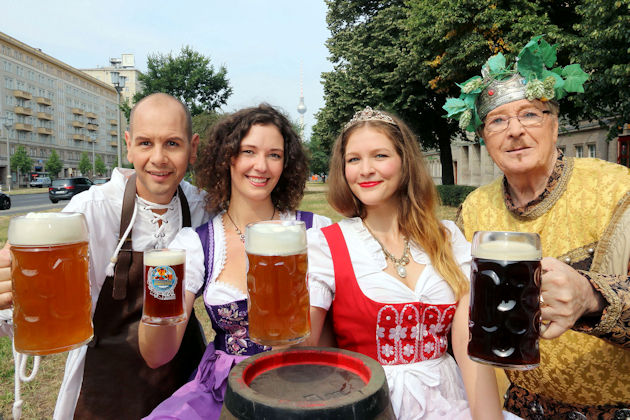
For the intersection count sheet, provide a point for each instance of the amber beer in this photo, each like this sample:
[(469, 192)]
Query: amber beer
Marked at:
[(278, 304), (51, 290), (164, 271), (505, 299)]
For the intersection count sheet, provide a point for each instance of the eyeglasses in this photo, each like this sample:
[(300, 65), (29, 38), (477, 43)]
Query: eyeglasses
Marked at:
[(527, 117)]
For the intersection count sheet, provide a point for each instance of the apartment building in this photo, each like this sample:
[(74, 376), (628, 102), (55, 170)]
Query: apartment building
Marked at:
[(125, 66), (47, 105)]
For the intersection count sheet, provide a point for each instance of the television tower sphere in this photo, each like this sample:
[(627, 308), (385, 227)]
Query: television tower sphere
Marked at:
[(301, 107)]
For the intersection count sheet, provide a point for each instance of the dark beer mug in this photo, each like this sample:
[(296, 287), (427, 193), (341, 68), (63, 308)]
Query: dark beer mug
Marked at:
[(504, 320)]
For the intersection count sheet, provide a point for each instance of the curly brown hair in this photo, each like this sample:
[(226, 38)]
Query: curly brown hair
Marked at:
[(212, 169)]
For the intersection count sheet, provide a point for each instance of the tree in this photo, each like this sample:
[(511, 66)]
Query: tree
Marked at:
[(603, 47), (189, 77), (85, 166), (20, 161), (99, 165), (54, 164)]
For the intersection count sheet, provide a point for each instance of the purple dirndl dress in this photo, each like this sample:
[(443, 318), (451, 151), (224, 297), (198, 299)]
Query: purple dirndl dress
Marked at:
[(202, 397)]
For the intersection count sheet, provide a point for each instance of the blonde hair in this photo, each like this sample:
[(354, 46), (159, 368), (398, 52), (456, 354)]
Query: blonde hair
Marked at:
[(417, 197)]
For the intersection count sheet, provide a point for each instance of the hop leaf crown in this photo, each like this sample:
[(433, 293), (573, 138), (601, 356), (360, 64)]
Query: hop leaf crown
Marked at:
[(531, 65)]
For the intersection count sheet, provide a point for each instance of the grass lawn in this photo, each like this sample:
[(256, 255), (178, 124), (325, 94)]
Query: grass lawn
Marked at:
[(40, 395)]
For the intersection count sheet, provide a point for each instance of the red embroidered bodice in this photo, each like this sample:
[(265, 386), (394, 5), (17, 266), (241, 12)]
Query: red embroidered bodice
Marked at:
[(392, 333)]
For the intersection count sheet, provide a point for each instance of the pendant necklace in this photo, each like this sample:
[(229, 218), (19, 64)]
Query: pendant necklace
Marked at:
[(241, 235), (399, 263)]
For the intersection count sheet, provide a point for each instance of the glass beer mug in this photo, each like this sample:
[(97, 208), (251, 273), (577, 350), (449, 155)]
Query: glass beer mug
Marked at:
[(278, 304), (504, 314), (164, 271), (51, 290)]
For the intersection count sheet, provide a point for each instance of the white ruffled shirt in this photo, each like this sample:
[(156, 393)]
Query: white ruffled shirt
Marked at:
[(102, 206), (428, 389), (218, 292)]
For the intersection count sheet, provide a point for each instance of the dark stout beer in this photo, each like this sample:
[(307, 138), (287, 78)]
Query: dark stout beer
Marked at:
[(504, 305)]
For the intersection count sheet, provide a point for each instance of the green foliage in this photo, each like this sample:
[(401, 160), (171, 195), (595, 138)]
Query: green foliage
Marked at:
[(54, 164), (454, 195), (20, 161), (85, 166), (99, 165), (318, 162), (203, 123), (188, 76)]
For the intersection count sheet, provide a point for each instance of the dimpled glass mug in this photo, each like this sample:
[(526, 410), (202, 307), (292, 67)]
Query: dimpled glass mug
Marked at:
[(504, 320), (278, 304)]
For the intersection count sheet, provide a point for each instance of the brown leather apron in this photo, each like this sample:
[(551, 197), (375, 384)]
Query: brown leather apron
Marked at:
[(117, 383)]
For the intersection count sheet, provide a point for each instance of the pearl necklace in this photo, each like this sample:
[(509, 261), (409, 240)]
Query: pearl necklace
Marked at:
[(238, 231), (399, 263)]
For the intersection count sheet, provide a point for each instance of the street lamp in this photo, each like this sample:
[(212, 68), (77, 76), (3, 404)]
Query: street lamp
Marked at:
[(7, 121), (119, 84)]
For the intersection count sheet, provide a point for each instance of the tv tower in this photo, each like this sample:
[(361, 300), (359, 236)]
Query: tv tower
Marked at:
[(301, 108)]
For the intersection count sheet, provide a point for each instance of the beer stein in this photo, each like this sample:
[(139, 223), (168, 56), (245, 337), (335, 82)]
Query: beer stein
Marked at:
[(52, 304), (504, 318), (164, 271), (278, 304)]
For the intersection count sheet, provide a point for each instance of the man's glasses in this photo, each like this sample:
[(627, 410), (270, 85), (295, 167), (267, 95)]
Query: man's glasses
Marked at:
[(527, 117)]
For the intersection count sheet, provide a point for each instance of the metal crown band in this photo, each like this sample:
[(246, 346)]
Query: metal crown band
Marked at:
[(500, 92), (369, 114)]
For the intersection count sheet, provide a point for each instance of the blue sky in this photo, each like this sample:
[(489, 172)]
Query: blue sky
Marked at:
[(261, 43)]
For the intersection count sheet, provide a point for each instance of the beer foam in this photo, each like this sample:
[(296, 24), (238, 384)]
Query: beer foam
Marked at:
[(48, 229), (164, 257), (283, 238), (507, 251)]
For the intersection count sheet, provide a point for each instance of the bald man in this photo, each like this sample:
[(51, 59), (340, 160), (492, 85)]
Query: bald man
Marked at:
[(108, 379)]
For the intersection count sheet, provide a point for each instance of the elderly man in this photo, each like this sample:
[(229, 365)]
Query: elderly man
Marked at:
[(581, 210), (108, 379)]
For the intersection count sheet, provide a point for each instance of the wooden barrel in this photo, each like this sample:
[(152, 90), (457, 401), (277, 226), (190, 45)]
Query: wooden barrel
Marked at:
[(307, 383)]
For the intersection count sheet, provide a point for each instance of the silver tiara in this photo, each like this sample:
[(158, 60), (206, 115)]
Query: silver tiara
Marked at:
[(500, 92), (368, 114)]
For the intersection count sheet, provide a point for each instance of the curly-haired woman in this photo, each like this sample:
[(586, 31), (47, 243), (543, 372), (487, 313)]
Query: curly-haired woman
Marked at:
[(253, 168)]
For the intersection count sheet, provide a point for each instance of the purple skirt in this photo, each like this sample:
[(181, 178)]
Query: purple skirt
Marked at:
[(201, 398)]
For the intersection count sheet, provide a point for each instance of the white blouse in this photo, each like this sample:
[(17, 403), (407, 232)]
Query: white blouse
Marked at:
[(368, 262)]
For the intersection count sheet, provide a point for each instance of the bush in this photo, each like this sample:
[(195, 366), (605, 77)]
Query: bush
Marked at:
[(454, 195)]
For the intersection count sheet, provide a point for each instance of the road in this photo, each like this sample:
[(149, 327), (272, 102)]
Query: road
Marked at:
[(23, 203)]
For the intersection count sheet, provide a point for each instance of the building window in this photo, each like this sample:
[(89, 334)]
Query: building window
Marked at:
[(579, 151), (591, 151)]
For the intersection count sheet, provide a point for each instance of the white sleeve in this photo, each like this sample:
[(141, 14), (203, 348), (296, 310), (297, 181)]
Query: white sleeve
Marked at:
[(320, 221), (321, 274), (461, 247), (188, 240), (6, 322)]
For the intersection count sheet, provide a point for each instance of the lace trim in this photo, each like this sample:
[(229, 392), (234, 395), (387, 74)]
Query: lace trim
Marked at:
[(611, 314), (548, 202)]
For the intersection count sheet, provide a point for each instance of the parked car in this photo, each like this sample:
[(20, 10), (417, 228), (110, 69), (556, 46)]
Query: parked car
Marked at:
[(66, 188), (41, 181), (5, 201), (100, 180)]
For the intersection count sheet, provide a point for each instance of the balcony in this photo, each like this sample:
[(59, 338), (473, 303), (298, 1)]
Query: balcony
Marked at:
[(113, 132), (22, 110), (90, 115), (113, 143), (21, 94), (78, 111), (23, 127), (78, 124), (44, 116), (112, 122), (92, 127), (43, 101), (78, 137), (45, 131)]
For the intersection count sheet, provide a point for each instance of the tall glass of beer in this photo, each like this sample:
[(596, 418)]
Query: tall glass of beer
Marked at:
[(505, 299), (51, 290), (164, 271), (278, 305)]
